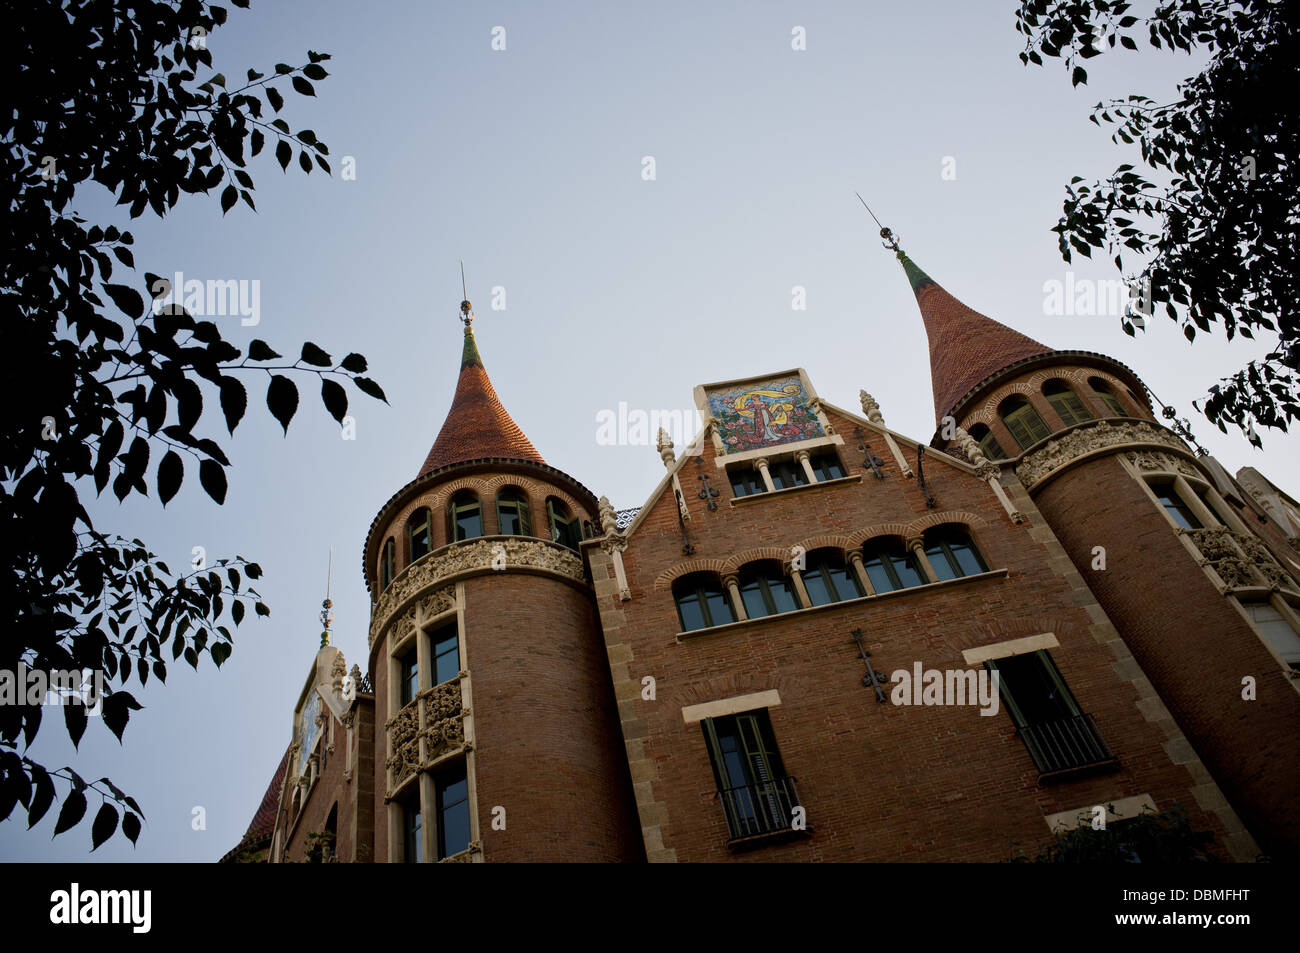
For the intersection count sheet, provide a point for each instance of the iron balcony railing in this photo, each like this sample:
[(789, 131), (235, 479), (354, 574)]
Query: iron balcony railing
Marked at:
[(765, 807), (1066, 744)]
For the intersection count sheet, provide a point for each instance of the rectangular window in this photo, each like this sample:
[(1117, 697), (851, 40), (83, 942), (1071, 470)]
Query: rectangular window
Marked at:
[(409, 680), (412, 829), (787, 473), (746, 481), (1178, 510), (1277, 631), (827, 466), (757, 797), (452, 796), (1059, 736), (1112, 404), (445, 644)]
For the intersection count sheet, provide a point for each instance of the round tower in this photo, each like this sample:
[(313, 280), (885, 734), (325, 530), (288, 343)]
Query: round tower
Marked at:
[(1166, 540), (497, 730)]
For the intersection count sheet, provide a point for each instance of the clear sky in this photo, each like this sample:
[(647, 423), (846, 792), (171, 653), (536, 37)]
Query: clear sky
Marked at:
[(527, 163)]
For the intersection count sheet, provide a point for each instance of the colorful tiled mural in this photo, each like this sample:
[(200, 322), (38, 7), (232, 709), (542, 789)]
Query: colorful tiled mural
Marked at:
[(763, 413)]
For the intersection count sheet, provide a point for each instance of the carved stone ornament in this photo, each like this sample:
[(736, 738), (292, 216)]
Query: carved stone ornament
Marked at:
[(608, 515), (476, 555), (466, 856), (404, 744), (1234, 555), (665, 446), (870, 408), (444, 719), (338, 671), (1035, 467), (1149, 460)]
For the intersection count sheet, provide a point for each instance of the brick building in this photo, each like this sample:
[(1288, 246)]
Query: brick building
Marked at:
[(818, 639)]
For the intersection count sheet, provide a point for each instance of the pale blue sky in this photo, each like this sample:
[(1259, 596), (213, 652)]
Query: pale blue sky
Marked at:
[(527, 164)]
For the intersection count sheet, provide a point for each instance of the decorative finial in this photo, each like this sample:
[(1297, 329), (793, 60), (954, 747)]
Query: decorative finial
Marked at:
[(608, 515), (970, 447), (326, 610), (890, 240), (871, 408), (665, 446), (466, 314)]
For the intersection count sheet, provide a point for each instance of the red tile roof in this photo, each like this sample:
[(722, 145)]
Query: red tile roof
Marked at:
[(259, 831), (477, 426), (965, 346)]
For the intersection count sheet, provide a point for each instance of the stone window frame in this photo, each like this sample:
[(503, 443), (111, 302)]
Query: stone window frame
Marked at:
[(411, 527), (1063, 395), (729, 594), (1280, 603), (458, 501), (387, 563), (420, 786), (1025, 401), (1198, 495)]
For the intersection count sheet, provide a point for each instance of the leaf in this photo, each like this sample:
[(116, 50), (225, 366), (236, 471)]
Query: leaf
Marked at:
[(262, 609), (234, 401), (354, 363), (220, 652), (171, 472), (335, 398), (1080, 75), (313, 355), (74, 716), (260, 351), (116, 710), (274, 98), (128, 300), (42, 796), (228, 198), (70, 815), (213, 477), (367, 386), (302, 86), (104, 826), (304, 161), (255, 143), (283, 153), (131, 826), (314, 71), (237, 611), (282, 399)]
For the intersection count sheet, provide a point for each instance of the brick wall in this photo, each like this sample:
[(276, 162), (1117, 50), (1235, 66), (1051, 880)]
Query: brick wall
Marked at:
[(879, 782), (1191, 641)]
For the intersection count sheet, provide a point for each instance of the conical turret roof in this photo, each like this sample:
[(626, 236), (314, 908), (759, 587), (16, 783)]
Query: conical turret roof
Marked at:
[(477, 426), (965, 346)]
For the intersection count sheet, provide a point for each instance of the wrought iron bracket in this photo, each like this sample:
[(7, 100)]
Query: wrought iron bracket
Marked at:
[(873, 679)]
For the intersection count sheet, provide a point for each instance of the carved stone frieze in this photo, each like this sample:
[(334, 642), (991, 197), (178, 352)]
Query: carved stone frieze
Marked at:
[(1149, 460), (1055, 454), (437, 602), (470, 556), (466, 856)]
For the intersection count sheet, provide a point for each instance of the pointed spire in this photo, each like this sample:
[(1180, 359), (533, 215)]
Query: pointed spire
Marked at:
[(477, 425), (327, 606), (965, 346)]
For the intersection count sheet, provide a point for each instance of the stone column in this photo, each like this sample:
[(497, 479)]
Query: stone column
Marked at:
[(917, 545), (761, 463), (802, 457), (732, 582), (855, 560)]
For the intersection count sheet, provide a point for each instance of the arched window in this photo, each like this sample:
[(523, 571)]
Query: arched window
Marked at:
[(1023, 421), (513, 518), (828, 579), (419, 531), (702, 602), (1103, 390), (387, 563), (1065, 402), (952, 553), (464, 516), (766, 590), (889, 565), (565, 529), (989, 445)]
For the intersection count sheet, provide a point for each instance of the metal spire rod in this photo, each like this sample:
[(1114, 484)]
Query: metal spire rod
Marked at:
[(890, 239)]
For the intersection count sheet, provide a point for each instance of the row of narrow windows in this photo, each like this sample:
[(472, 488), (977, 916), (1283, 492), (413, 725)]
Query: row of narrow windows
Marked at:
[(1026, 424), (748, 481), (464, 520), (703, 601)]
